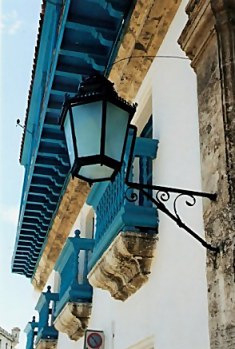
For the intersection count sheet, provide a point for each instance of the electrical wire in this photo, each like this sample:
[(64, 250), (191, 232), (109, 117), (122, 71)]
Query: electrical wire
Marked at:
[(146, 56)]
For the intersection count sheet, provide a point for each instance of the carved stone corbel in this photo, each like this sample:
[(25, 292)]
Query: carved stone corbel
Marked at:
[(73, 319), (126, 264), (47, 344)]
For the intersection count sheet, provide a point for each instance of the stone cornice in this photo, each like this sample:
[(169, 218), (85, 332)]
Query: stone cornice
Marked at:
[(199, 29), (148, 26), (6, 334), (204, 17), (69, 208)]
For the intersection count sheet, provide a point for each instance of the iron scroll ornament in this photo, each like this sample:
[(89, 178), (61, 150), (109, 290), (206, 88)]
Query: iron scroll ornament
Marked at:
[(162, 195)]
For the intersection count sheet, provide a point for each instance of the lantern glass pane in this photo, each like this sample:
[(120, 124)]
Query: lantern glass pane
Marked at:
[(87, 124), (69, 138), (117, 121), (96, 171)]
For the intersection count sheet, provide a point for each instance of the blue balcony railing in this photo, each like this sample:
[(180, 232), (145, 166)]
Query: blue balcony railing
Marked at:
[(31, 332), (114, 213), (45, 306), (110, 204), (72, 267)]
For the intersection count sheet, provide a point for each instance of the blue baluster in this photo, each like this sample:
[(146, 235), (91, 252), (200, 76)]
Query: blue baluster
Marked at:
[(31, 332)]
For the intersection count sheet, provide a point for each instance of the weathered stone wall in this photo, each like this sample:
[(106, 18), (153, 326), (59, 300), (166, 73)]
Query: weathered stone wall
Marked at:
[(149, 24), (209, 41)]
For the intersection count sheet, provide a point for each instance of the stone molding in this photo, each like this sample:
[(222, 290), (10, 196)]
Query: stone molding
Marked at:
[(126, 264), (46, 344), (224, 13), (199, 30), (73, 319), (148, 26), (73, 199)]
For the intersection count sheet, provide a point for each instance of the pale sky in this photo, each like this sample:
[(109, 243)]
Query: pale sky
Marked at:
[(18, 30)]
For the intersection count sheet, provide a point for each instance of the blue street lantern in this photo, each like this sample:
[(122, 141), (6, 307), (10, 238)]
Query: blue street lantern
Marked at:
[(96, 123)]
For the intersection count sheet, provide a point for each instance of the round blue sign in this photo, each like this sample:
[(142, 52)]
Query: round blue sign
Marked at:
[(94, 340)]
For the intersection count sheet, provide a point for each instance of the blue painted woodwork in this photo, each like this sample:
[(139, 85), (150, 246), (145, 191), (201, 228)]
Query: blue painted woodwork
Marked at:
[(72, 265), (113, 212), (145, 175), (76, 38), (31, 332), (45, 308)]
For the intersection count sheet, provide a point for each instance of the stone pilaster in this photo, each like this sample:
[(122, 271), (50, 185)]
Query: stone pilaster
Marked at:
[(209, 40)]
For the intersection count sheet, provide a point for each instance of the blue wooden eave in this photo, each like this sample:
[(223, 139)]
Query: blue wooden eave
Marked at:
[(76, 39)]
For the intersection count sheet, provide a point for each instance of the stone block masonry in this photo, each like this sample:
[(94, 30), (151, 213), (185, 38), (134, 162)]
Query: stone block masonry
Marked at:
[(209, 41)]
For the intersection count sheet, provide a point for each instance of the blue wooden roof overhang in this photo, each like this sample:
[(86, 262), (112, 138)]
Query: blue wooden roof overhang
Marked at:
[(76, 39)]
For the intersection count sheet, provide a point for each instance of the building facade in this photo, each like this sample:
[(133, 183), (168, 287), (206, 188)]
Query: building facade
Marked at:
[(114, 269), (9, 340)]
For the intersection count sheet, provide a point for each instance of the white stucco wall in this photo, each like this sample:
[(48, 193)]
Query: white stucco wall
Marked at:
[(170, 311)]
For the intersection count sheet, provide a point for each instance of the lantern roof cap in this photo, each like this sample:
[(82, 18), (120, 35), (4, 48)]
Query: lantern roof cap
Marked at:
[(96, 83), (95, 88)]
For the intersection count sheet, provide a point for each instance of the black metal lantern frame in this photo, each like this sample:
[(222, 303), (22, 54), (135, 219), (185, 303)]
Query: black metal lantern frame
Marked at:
[(96, 89)]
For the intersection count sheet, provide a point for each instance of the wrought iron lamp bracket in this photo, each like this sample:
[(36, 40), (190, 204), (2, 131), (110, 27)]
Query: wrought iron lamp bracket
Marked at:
[(160, 195)]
